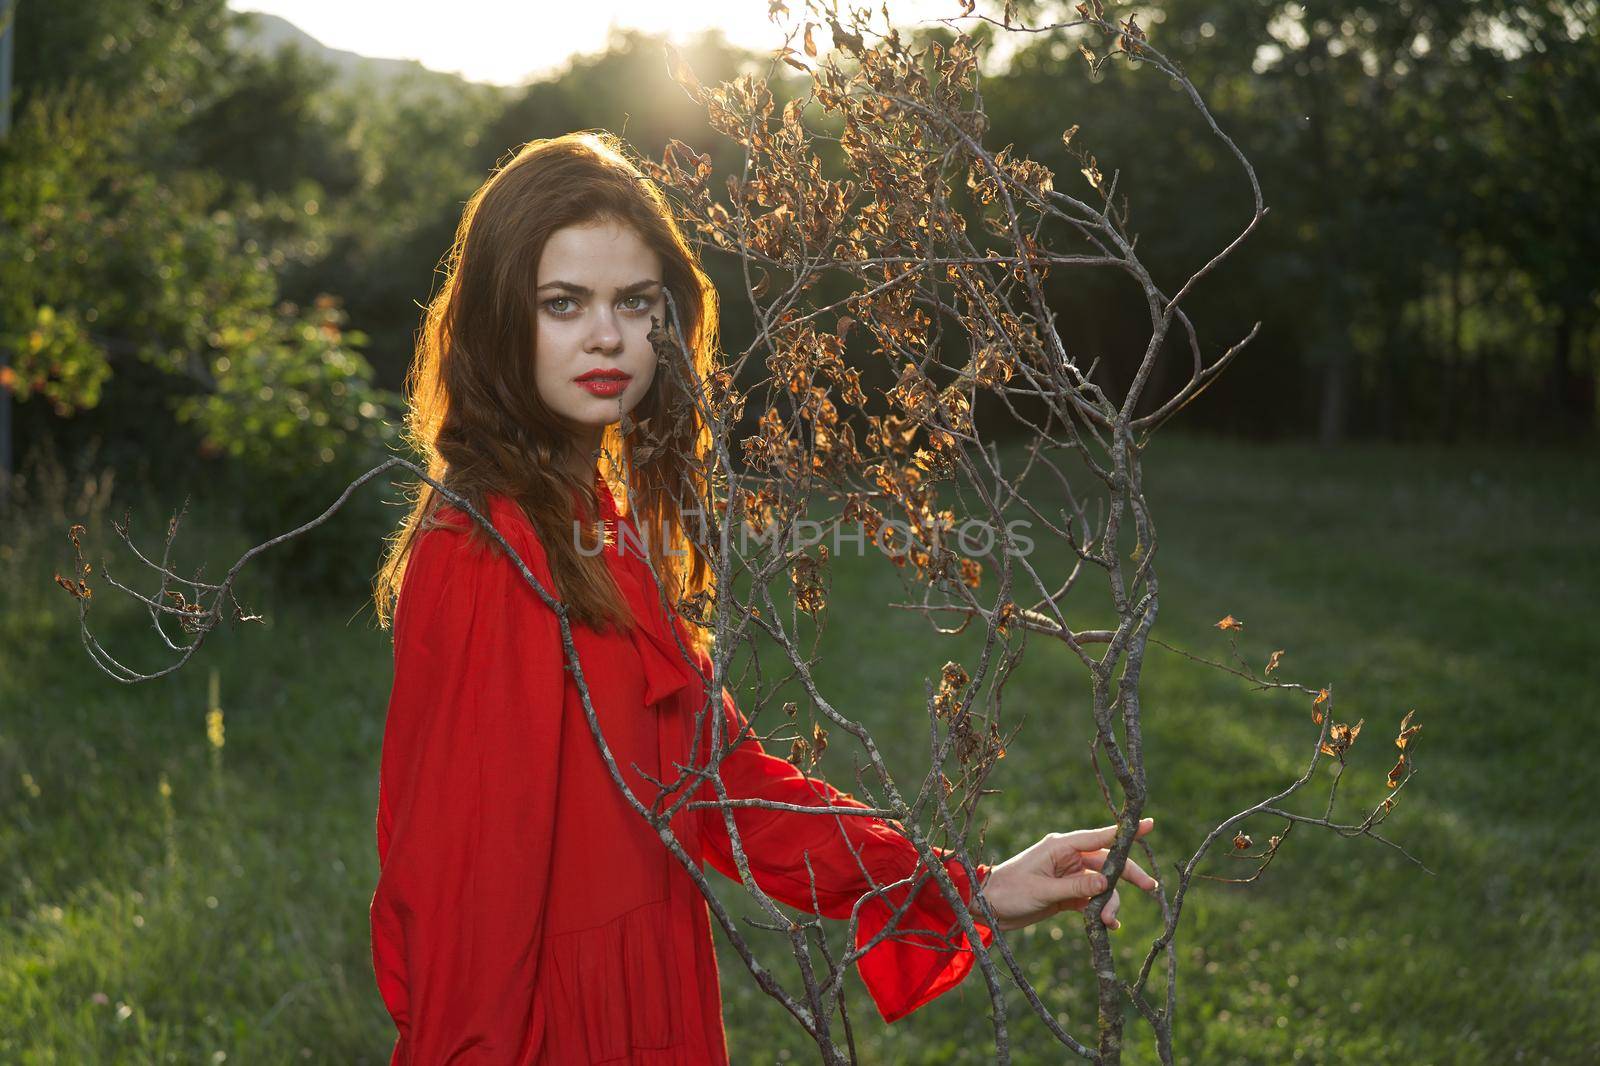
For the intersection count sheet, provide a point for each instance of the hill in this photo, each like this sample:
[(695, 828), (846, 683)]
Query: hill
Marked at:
[(263, 33)]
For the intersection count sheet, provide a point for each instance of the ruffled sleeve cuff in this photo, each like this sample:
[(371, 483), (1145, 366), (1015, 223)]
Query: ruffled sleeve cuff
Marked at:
[(915, 964)]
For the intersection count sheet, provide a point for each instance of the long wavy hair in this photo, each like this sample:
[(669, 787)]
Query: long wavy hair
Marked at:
[(473, 411)]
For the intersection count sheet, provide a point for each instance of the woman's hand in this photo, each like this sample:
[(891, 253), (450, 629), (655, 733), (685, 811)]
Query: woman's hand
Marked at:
[(1060, 873)]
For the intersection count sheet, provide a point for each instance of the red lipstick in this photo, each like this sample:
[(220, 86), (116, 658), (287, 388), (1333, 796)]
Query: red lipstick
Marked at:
[(604, 382)]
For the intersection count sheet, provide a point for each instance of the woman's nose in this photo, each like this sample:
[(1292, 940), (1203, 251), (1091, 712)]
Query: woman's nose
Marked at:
[(605, 334)]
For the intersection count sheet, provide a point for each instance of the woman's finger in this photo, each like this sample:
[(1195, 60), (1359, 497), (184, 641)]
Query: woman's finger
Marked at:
[(1131, 870), (1094, 860), (1108, 914), (1066, 860), (1080, 885), (1088, 839), (1103, 837)]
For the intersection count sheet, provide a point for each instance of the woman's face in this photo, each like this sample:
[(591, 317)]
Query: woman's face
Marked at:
[(598, 285)]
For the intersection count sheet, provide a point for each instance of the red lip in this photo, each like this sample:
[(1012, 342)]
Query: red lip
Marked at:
[(604, 375)]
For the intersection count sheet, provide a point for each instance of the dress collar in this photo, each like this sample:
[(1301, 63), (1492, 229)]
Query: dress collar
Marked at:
[(666, 671), (608, 502)]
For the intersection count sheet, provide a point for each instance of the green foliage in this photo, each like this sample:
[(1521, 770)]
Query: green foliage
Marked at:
[(418, 153), (160, 55), (49, 220), (54, 357), (296, 409), (291, 394), (269, 130), (1422, 163), (131, 243)]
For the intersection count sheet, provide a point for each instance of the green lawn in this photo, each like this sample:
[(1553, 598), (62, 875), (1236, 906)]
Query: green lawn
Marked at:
[(226, 920)]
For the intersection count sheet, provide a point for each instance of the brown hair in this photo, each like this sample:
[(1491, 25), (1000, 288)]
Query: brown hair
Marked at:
[(474, 413)]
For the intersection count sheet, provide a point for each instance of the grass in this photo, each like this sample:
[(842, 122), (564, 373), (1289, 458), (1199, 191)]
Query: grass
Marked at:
[(224, 919)]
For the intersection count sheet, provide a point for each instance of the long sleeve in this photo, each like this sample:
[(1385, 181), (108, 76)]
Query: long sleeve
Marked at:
[(467, 794), (911, 966)]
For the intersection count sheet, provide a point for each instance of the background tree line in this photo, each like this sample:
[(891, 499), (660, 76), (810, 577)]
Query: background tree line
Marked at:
[(213, 253)]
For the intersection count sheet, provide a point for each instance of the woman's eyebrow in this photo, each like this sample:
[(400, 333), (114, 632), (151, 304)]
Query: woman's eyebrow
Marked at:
[(584, 290)]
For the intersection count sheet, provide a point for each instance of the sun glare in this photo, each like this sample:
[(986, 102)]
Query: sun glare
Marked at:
[(507, 42)]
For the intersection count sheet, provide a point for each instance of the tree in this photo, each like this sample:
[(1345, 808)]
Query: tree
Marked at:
[(1394, 284), (136, 258), (1544, 109)]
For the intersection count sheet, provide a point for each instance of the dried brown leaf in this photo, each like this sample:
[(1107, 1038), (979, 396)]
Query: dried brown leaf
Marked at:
[(684, 75)]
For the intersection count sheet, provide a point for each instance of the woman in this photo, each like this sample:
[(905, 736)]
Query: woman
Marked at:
[(524, 911)]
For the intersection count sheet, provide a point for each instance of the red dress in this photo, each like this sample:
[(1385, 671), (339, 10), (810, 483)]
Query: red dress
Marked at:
[(524, 913)]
